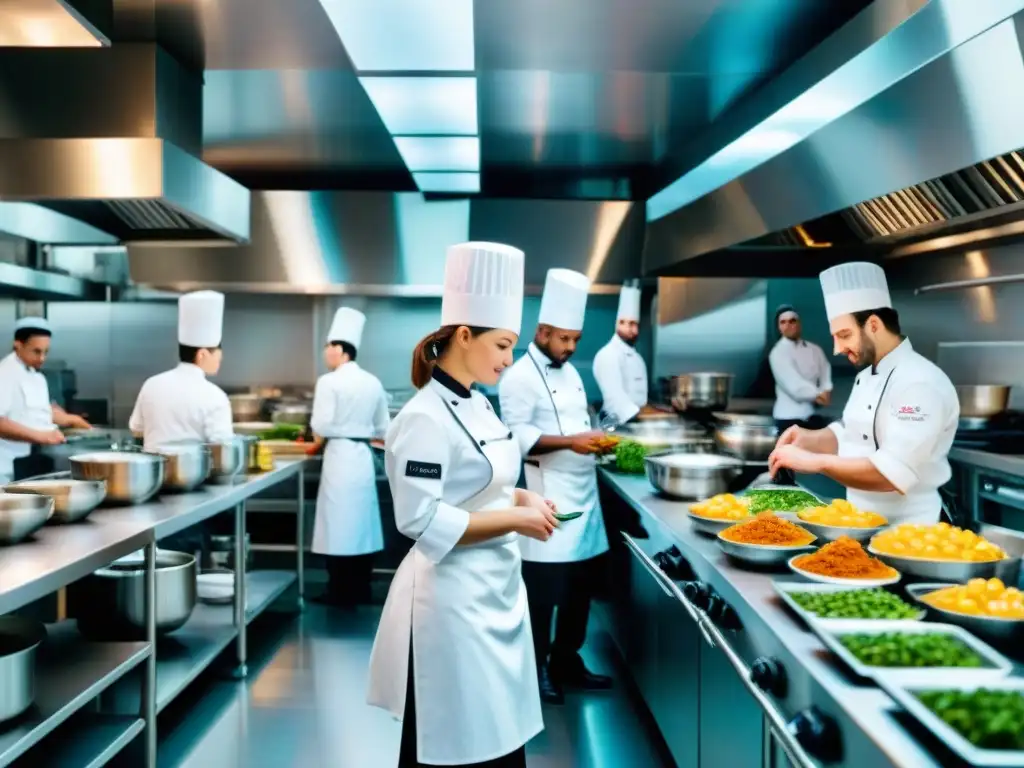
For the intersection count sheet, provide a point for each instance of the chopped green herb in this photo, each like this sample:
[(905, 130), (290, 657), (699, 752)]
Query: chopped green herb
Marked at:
[(780, 501), (855, 604), (629, 457), (989, 719), (911, 649)]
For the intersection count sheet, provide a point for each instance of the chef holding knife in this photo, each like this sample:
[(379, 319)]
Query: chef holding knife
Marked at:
[(28, 419), (350, 408), (545, 405), (890, 448)]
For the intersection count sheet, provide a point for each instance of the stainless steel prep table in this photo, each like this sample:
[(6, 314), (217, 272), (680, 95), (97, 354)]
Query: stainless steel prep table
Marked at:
[(869, 733)]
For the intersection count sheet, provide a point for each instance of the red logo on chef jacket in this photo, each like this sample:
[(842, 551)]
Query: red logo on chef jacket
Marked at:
[(910, 409)]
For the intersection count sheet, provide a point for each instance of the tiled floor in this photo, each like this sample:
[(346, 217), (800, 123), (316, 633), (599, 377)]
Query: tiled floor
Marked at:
[(303, 707)]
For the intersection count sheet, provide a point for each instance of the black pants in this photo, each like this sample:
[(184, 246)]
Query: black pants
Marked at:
[(407, 755), (349, 578), (813, 422), (568, 587)]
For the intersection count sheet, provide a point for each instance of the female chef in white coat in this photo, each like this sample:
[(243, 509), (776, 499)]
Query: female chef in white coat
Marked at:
[(454, 650), (890, 449), (350, 408)]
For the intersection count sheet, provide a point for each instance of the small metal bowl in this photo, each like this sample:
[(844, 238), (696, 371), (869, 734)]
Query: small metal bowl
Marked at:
[(73, 500), (833, 532), (762, 554), (999, 631), (951, 571), (21, 515)]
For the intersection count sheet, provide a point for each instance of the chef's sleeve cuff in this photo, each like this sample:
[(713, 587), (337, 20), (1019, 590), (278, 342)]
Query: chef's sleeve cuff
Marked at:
[(629, 413), (443, 532), (526, 436), (837, 429), (894, 470)]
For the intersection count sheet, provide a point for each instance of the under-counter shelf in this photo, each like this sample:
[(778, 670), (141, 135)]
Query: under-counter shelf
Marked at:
[(70, 673), (88, 740)]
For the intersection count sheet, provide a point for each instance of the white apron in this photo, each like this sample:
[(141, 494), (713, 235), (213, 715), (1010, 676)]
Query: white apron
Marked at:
[(863, 428), (34, 412), (570, 481), (475, 673), (347, 508)]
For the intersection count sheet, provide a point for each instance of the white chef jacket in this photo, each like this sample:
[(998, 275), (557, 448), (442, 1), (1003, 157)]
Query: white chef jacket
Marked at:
[(181, 405), (539, 399), (903, 416), (462, 609), (348, 403), (802, 372), (622, 378), (25, 400)]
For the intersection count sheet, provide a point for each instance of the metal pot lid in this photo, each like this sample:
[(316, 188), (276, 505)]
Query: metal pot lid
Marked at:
[(696, 461)]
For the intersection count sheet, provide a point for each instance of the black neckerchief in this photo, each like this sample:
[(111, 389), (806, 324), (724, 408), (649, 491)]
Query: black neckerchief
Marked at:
[(448, 382)]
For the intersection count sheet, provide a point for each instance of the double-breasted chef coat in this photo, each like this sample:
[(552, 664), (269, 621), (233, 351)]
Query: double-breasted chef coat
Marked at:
[(24, 399), (621, 375), (538, 399), (801, 372), (350, 407), (903, 416), (181, 405), (463, 608)]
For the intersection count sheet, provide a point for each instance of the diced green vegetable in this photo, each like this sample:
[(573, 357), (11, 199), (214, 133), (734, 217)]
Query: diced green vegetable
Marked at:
[(907, 649), (629, 457), (855, 604), (989, 719), (780, 501), (283, 432)]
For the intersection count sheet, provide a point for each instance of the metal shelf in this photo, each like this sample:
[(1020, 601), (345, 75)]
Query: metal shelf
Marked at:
[(70, 673), (183, 655), (89, 740)]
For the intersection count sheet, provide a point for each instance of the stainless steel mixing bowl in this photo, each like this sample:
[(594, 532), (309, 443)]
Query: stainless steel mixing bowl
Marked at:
[(73, 500), (19, 639), (188, 465), (132, 477), (22, 514)]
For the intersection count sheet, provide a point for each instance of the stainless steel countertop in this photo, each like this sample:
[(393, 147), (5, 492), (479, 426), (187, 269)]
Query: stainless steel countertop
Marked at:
[(61, 554), (1011, 465), (751, 595)]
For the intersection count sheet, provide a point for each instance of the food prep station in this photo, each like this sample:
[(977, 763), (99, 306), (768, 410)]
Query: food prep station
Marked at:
[(88, 700), (731, 673)]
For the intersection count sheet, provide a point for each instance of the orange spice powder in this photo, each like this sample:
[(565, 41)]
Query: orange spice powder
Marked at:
[(768, 529), (844, 558)]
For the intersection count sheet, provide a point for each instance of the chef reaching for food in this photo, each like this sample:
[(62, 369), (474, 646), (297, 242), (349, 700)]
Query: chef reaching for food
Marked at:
[(453, 655), (182, 404), (890, 447), (545, 405), (28, 419)]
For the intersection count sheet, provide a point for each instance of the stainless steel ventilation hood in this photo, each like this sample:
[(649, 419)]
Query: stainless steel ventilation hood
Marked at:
[(932, 151), (393, 244), (115, 144), (48, 24)]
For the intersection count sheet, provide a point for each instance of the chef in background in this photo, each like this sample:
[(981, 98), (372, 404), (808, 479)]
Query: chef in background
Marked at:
[(544, 403), (890, 449), (802, 373), (350, 408), (453, 655), (182, 404), (28, 419), (620, 371)]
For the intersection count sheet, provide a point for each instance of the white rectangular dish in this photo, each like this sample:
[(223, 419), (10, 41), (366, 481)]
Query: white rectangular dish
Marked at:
[(830, 632), (784, 588), (905, 694)]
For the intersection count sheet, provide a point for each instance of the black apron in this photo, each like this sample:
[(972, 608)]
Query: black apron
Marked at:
[(36, 463)]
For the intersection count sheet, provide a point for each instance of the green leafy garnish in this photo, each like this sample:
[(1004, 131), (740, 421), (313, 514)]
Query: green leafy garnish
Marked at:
[(989, 719), (629, 457), (906, 649), (780, 501)]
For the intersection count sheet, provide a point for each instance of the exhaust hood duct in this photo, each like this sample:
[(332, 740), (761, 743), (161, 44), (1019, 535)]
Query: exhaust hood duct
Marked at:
[(940, 114), (47, 24), (115, 145)]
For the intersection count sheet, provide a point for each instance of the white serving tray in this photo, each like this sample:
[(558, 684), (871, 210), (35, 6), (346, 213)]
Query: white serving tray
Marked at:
[(783, 588)]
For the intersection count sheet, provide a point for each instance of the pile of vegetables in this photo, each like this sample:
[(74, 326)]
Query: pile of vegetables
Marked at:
[(855, 604), (629, 457), (290, 432), (775, 500), (989, 719), (911, 649)]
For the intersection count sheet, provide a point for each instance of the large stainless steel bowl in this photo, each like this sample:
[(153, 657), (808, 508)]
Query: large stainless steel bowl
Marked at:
[(246, 406), (21, 515), (982, 401), (73, 500), (132, 477), (110, 603), (675, 435), (292, 413), (692, 475), (701, 391), (761, 554), (999, 631), (747, 437), (227, 458), (19, 639), (188, 465), (951, 571)]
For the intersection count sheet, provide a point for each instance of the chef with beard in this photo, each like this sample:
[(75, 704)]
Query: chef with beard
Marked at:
[(545, 405), (619, 369), (890, 449)]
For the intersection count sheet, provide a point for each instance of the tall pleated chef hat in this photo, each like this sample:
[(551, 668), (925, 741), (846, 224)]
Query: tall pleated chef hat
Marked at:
[(854, 287), (629, 304), (565, 299), (347, 326), (201, 319), (483, 286), (36, 323)]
